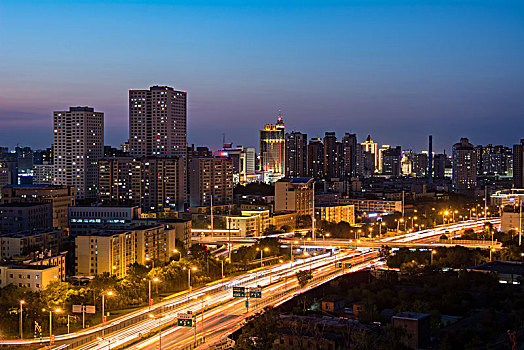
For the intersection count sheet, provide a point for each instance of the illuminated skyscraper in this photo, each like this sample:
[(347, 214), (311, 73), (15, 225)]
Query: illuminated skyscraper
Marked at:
[(78, 144), (370, 148), (272, 147)]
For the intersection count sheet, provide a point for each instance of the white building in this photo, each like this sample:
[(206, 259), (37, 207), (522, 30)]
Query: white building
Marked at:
[(33, 277)]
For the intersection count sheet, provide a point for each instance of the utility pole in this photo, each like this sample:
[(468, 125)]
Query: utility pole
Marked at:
[(313, 214), (229, 237), (520, 222), (212, 193), (21, 327)]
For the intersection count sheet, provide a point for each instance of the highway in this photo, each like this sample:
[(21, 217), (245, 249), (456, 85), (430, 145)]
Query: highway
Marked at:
[(225, 313)]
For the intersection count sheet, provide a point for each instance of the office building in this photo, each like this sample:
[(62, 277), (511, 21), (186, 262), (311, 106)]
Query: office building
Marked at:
[(272, 147), (416, 327), (440, 163), (112, 251), (84, 219), (211, 177), (370, 147), (157, 122), (24, 157), (60, 197), (243, 161), (315, 159), (296, 154), (464, 166), (372, 205), (17, 217), (294, 194), (78, 144), (518, 165), (151, 183), (391, 161)]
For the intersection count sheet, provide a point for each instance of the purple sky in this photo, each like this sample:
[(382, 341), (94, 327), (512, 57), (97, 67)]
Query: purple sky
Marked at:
[(399, 72)]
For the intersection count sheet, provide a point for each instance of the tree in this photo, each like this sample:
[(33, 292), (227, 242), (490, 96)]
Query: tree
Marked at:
[(303, 277)]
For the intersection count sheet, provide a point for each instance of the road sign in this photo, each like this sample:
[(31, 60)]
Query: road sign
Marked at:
[(239, 292), (90, 309), (338, 265), (255, 292), (185, 320), (347, 265)]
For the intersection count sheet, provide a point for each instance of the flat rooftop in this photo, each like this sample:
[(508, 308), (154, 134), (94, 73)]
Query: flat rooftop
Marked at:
[(503, 267)]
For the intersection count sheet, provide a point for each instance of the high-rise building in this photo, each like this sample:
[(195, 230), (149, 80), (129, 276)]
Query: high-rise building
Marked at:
[(157, 122), (78, 144), (296, 154), (315, 159), (272, 147), (518, 165), (243, 161), (464, 176), (25, 159), (440, 162), (370, 147), (333, 157), (391, 161), (295, 194), (349, 142), (420, 164), (211, 177), (494, 160), (151, 183), (43, 174), (380, 157)]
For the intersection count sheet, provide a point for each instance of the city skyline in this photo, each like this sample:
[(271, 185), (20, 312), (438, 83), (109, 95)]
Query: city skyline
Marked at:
[(398, 72)]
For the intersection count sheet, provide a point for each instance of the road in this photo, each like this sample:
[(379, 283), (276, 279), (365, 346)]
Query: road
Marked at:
[(223, 313)]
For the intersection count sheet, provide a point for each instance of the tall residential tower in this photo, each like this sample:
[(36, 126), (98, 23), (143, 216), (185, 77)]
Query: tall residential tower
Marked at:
[(78, 144)]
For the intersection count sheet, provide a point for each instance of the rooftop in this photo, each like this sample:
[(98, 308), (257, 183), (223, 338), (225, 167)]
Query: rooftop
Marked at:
[(503, 267), (22, 205), (412, 315)]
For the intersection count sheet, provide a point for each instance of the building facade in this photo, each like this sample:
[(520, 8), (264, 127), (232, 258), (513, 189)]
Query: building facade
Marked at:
[(518, 165), (336, 213), (464, 166), (78, 144), (296, 154), (151, 183), (157, 122), (272, 147), (18, 217), (295, 194), (211, 177)]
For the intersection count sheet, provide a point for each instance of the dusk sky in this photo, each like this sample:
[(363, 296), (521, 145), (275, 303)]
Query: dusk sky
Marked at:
[(399, 72)]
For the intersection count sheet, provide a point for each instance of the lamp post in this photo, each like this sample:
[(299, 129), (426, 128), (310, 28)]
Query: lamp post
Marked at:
[(110, 293), (189, 280), (433, 252), (51, 323), (491, 250), (152, 262), (266, 249), (21, 312), (203, 309), (149, 284)]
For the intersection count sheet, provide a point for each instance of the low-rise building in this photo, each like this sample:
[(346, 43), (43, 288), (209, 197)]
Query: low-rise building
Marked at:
[(512, 220), (33, 277), (280, 219), (112, 251), (60, 197), (177, 229), (17, 217), (372, 205), (294, 194), (23, 243), (417, 329), (49, 259), (336, 213), (83, 219)]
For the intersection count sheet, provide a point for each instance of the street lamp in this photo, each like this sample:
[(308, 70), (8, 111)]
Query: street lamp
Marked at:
[(152, 262), (266, 249), (177, 252), (149, 284), (104, 319), (433, 252), (203, 310), (189, 280), (21, 312), (51, 322), (492, 250)]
